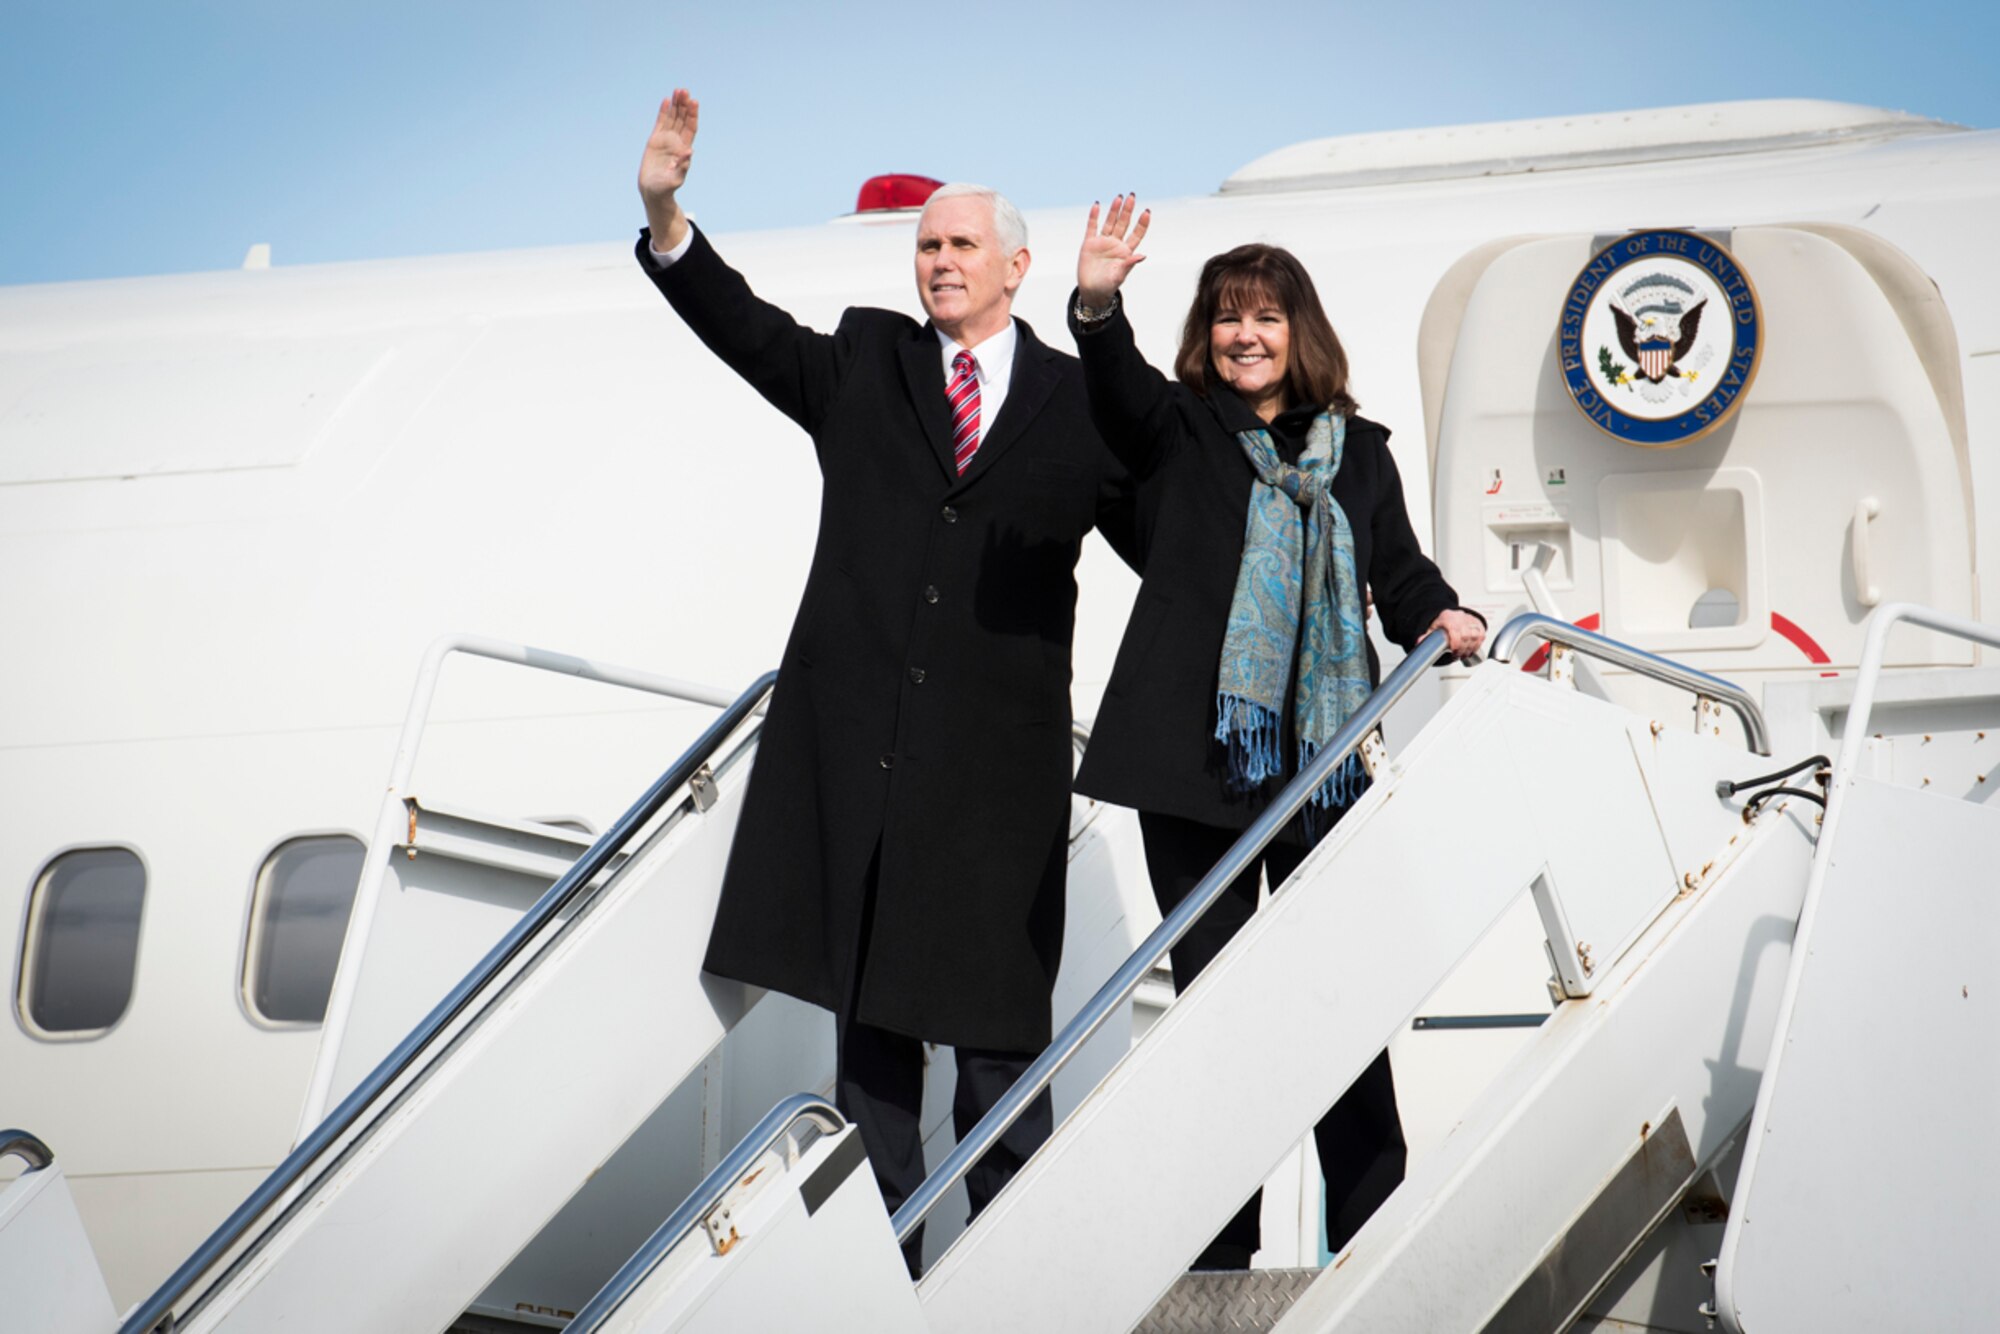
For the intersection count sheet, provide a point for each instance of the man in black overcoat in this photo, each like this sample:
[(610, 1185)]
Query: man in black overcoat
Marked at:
[(900, 857)]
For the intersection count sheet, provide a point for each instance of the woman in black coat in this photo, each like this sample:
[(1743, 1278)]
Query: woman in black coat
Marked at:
[(1247, 646)]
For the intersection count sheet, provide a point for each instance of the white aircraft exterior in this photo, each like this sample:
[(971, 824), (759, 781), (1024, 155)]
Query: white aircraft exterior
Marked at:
[(237, 508)]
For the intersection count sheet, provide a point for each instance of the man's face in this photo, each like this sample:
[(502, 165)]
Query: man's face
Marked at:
[(964, 278)]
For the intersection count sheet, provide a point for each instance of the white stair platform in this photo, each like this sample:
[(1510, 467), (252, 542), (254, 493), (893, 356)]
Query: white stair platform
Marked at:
[(1868, 1192)]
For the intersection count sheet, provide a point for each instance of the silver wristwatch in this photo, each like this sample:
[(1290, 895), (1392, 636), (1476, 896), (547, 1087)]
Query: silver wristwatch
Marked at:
[(1093, 314)]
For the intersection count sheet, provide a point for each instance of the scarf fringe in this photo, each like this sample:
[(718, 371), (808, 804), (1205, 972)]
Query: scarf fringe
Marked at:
[(1330, 801), (1250, 733)]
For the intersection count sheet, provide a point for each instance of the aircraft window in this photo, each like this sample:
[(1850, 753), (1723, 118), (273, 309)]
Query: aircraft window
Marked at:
[(82, 942), (1716, 607), (298, 918)]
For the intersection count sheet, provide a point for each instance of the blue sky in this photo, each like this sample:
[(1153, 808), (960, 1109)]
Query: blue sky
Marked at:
[(156, 137)]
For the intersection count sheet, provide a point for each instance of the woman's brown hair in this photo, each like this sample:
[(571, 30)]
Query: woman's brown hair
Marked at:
[(1244, 278)]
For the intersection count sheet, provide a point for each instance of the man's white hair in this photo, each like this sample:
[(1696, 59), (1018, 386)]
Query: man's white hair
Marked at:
[(1008, 224)]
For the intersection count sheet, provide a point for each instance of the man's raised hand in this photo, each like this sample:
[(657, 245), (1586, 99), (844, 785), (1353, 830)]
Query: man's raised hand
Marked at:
[(1108, 253), (664, 168)]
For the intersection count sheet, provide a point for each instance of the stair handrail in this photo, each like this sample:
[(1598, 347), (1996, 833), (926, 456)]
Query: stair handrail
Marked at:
[(26, 1147), (1119, 987), (156, 1314), (1854, 732), (777, 1123), (1854, 739), (393, 814), (1554, 630)]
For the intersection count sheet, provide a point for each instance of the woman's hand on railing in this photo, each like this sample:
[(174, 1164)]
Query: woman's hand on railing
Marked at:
[(1463, 631), (1109, 253)]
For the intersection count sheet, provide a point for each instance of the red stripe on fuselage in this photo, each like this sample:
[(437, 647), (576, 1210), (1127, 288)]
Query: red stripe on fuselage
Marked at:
[(1804, 642)]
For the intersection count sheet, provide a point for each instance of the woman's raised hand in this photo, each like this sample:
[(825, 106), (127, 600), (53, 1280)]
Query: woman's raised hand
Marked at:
[(1108, 253)]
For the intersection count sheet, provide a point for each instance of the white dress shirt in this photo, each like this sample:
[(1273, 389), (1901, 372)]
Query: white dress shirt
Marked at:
[(992, 360), (665, 258), (992, 363)]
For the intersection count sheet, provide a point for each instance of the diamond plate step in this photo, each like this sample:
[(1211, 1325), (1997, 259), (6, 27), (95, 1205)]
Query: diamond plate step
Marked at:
[(1234, 1301)]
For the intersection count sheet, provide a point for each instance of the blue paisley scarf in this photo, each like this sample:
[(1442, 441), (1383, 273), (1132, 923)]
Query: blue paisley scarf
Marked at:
[(1297, 574)]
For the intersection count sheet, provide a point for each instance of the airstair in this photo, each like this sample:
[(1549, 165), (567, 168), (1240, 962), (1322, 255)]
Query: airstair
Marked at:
[(1668, 918), (397, 1182), (1608, 1147), (47, 1271), (1882, 1064), (1611, 1145), (463, 1150)]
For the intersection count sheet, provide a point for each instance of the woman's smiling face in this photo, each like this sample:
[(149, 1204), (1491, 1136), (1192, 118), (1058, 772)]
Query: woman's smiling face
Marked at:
[(1249, 344)]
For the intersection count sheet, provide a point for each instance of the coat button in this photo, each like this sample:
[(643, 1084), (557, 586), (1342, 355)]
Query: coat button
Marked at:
[(930, 593), (916, 676), (888, 761), (950, 514)]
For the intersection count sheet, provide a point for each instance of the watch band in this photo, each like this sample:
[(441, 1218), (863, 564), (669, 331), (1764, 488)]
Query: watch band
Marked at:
[(1093, 314)]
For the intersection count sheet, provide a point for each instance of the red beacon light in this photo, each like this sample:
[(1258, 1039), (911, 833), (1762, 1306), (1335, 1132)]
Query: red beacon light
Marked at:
[(898, 190)]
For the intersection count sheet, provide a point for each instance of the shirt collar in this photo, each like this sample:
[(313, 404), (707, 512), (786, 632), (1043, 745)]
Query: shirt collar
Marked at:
[(994, 357)]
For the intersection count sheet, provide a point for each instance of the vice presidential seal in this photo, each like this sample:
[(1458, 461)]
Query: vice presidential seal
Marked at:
[(1659, 337)]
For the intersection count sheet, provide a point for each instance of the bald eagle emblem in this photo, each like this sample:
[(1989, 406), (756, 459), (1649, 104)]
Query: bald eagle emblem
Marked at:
[(1659, 336), (1659, 318)]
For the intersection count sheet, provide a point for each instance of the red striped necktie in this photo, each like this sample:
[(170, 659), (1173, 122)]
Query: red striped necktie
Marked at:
[(962, 397)]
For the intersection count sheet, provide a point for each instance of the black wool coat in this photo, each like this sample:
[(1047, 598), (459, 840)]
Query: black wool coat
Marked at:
[(923, 704), (1152, 746)]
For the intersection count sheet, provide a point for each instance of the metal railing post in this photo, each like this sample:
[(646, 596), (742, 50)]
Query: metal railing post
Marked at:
[(777, 1123)]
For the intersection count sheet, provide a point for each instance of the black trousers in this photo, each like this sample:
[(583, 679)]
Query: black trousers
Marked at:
[(1360, 1140), (879, 1085)]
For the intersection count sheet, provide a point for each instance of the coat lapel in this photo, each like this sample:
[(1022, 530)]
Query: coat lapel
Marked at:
[(923, 373), (1035, 376)]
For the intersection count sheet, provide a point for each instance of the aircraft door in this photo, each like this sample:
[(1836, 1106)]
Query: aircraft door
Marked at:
[(1821, 476)]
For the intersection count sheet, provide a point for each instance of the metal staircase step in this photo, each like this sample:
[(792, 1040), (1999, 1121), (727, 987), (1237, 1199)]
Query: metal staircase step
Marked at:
[(476, 1322), (1227, 1301)]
